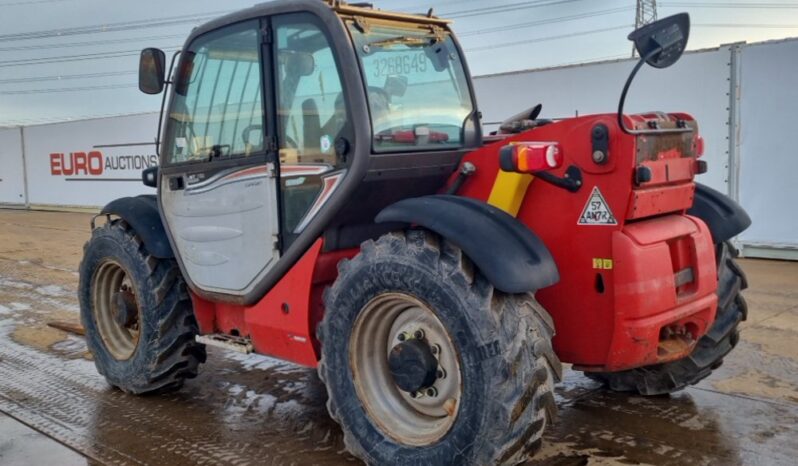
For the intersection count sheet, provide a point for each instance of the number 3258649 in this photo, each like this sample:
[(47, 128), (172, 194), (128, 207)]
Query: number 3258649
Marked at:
[(401, 64)]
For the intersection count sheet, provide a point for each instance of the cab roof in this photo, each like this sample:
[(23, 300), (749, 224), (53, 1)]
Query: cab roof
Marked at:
[(323, 8), (367, 10)]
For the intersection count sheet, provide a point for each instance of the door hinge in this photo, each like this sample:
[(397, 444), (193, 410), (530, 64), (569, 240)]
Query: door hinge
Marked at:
[(266, 35)]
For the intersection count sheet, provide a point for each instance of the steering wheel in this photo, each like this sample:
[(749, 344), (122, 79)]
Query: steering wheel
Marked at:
[(249, 129), (289, 142)]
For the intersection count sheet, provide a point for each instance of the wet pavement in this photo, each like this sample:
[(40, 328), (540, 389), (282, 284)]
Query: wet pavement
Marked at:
[(21, 445), (256, 410)]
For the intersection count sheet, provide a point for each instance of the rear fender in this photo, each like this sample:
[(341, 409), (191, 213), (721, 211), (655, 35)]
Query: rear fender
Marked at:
[(724, 217), (510, 255), (141, 213)]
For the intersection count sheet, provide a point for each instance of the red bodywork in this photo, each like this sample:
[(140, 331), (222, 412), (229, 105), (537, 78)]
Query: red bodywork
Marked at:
[(617, 292), (635, 293), (283, 323)]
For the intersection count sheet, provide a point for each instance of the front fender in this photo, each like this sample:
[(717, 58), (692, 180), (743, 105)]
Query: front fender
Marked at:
[(724, 217), (507, 253), (141, 213)]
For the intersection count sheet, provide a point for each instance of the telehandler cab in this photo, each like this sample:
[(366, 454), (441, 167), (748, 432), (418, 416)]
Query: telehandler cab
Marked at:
[(325, 196)]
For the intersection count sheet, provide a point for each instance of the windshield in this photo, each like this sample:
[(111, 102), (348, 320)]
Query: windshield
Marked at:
[(417, 87)]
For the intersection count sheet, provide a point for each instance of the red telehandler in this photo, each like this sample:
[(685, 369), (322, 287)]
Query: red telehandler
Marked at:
[(325, 196)]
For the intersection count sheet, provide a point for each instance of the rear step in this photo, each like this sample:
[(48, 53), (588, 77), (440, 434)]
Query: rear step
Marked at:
[(239, 344)]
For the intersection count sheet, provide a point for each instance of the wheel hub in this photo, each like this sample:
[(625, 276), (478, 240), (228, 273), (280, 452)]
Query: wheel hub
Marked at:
[(413, 366), (406, 369), (124, 308), (115, 310)]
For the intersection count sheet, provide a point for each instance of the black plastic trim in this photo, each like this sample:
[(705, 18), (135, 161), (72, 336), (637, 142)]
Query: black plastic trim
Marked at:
[(141, 213), (510, 255), (724, 217)]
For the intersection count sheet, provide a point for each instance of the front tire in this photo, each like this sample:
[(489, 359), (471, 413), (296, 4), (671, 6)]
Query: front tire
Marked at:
[(710, 350), (495, 346), (136, 312)]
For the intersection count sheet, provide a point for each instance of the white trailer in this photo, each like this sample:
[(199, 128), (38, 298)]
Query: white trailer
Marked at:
[(12, 168), (88, 163)]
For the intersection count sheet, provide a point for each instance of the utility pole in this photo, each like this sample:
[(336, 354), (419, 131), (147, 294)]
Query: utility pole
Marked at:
[(646, 12)]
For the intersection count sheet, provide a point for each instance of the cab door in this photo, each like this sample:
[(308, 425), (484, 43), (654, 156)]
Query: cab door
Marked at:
[(218, 188)]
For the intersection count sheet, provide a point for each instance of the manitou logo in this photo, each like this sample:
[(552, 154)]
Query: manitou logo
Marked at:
[(94, 163)]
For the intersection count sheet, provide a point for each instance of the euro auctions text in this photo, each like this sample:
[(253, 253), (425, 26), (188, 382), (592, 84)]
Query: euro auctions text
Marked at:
[(94, 163)]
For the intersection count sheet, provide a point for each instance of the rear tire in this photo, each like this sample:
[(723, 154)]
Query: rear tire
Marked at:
[(501, 343), (710, 350), (137, 314)]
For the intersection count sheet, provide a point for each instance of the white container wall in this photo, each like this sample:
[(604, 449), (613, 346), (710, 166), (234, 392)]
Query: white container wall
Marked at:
[(12, 168), (768, 160), (88, 163), (698, 84)]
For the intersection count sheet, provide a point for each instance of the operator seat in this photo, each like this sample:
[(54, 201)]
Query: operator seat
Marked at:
[(311, 123), (335, 125)]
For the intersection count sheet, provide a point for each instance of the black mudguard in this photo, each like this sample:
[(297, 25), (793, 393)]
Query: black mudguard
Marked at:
[(141, 213), (510, 255), (724, 217)]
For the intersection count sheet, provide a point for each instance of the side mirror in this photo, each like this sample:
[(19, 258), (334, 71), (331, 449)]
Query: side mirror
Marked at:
[(395, 86), (149, 176), (299, 63), (152, 71), (662, 42)]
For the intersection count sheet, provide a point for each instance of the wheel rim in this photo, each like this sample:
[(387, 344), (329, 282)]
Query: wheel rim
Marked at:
[(413, 418), (111, 284)]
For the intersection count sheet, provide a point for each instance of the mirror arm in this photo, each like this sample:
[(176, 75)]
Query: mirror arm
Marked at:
[(167, 82), (626, 90)]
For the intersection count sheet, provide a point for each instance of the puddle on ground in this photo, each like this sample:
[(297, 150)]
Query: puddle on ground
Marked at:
[(38, 336), (759, 384)]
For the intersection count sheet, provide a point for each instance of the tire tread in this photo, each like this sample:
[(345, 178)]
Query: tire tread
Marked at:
[(523, 403)]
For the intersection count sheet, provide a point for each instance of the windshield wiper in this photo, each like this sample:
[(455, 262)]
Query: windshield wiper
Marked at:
[(411, 41)]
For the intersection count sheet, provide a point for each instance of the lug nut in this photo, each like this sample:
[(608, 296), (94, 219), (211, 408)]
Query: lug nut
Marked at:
[(431, 391), (402, 336), (413, 394), (435, 349), (419, 335), (440, 374)]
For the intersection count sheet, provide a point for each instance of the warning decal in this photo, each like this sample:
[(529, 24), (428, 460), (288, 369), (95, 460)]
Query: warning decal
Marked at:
[(596, 211)]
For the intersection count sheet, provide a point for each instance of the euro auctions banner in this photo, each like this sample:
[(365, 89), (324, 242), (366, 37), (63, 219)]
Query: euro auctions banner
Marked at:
[(89, 163)]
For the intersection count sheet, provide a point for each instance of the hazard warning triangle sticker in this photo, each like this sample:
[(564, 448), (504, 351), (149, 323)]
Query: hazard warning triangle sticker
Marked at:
[(596, 211)]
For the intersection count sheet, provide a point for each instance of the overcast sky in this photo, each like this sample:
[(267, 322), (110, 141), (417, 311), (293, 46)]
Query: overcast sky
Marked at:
[(50, 71)]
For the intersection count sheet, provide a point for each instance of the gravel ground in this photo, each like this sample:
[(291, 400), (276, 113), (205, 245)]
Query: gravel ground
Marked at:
[(256, 410)]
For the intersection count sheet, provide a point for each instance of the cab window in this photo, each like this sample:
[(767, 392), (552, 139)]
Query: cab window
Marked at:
[(416, 85), (217, 111), (311, 115)]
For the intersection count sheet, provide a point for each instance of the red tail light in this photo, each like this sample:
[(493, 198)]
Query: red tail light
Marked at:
[(410, 136), (699, 146), (530, 157)]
